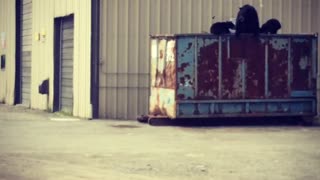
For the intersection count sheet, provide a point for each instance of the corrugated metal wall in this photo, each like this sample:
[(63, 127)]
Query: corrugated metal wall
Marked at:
[(44, 13), (8, 48), (124, 39)]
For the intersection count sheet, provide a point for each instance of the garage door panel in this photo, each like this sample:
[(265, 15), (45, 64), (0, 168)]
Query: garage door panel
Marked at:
[(68, 25), (68, 34), (25, 49), (26, 1), (26, 32), (67, 48), (67, 70), (67, 91), (67, 105), (27, 16), (67, 63), (67, 83), (67, 44)]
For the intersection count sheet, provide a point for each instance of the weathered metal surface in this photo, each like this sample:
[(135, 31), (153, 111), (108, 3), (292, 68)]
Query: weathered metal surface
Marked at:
[(220, 76), (237, 108), (233, 82), (302, 64), (278, 56), (170, 66), (163, 77), (160, 68), (162, 102), (186, 68), (255, 68), (208, 68)]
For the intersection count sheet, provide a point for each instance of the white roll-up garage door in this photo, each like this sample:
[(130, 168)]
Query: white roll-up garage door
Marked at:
[(67, 44), (25, 53)]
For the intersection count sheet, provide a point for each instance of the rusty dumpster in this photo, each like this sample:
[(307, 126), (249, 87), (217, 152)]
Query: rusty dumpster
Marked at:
[(203, 75)]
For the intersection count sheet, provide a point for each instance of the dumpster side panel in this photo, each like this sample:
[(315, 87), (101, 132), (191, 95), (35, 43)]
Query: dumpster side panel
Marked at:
[(301, 53), (233, 69), (226, 76), (208, 68), (255, 68), (186, 68), (278, 57), (163, 78), (243, 68)]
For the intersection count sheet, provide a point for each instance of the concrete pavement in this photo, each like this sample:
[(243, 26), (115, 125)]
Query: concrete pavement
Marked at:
[(40, 145)]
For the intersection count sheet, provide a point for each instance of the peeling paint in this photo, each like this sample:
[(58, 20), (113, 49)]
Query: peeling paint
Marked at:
[(300, 40), (303, 63), (204, 76), (279, 43)]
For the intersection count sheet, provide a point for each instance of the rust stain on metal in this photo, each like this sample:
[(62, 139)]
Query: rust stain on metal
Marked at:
[(208, 71), (183, 67), (170, 68), (154, 60), (160, 71), (278, 68), (162, 102), (255, 69), (231, 79), (301, 64), (232, 83)]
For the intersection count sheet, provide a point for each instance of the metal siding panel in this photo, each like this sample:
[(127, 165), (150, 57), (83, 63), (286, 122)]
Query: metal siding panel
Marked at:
[(7, 26), (296, 16), (175, 15), (165, 16), (162, 17), (142, 99), (63, 7), (154, 16), (306, 16), (227, 13), (185, 16), (195, 16), (315, 14), (206, 15), (77, 55), (133, 59), (217, 10)]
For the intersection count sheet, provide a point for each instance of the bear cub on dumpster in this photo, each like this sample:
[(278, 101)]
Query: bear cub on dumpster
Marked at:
[(270, 27), (221, 27), (247, 21)]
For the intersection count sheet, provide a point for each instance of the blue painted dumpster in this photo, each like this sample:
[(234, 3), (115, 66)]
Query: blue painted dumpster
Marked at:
[(203, 75)]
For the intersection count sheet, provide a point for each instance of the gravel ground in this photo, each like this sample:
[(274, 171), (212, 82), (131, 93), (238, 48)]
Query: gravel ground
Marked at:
[(40, 145)]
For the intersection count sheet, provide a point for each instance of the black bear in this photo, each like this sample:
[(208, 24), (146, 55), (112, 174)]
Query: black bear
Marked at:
[(247, 21), (270, 27), (221, 27)]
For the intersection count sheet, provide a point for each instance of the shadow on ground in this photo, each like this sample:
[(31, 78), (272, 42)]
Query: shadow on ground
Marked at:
[(210, 122)]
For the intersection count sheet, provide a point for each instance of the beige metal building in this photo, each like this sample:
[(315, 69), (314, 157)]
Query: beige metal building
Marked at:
[(125, 26), (95, 53), (29, 27)]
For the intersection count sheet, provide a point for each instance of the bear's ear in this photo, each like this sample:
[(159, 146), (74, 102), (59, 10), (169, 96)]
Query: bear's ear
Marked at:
[(241, 19)]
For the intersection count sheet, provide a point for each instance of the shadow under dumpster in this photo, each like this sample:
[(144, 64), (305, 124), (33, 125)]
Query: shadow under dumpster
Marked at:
[(237, 122)]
